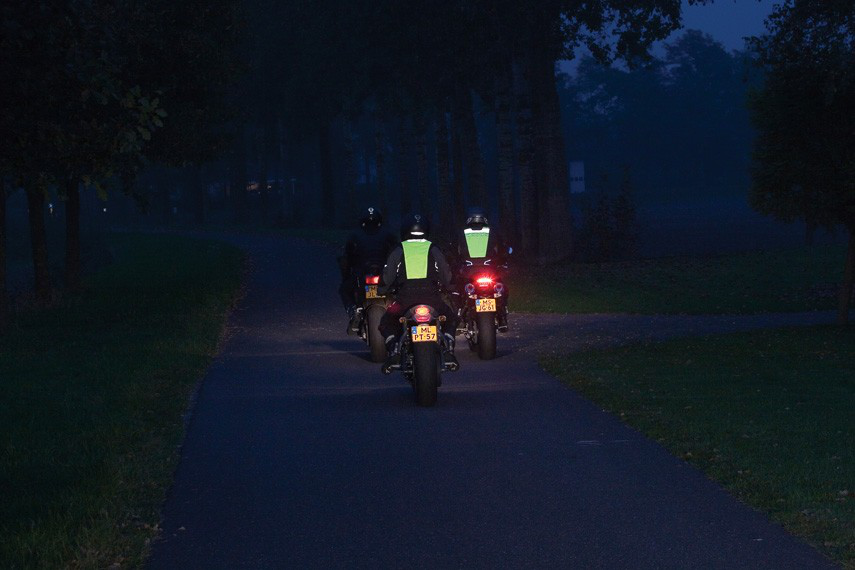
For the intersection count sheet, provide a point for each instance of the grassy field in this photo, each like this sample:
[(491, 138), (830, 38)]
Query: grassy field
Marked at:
[(92, 394), (767, 414), (795, 280)]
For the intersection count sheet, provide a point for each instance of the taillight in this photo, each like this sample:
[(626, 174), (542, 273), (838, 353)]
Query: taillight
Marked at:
[(372, 279), (421, 314), (484, 281)]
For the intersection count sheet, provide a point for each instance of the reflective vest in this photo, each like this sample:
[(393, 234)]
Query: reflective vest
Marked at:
[(476, 242), (416, 258)]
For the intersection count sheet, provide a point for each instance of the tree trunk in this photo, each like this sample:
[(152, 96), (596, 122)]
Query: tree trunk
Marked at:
[(199, 193), (846, 289), (380, 166), (553, 192), (528, 222), (38, 240), (349, 174), (72, 234), (471, 149), (458, 206), (238, 182), (443, 178), (268, 143), (505, 156), (404, 173), (4, 301), (422, 182), (327, 178), (281, 185)]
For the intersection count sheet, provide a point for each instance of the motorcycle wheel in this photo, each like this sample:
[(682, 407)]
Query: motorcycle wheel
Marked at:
[(425, 372), (376, 343), (486, 335)]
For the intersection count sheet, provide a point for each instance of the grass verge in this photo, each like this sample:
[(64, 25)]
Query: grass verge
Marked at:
[(795, 280), (93, 393), (768, 414)]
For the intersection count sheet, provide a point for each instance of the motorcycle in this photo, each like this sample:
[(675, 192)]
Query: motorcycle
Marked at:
[(478, 312), (373, 307), (421, 348)]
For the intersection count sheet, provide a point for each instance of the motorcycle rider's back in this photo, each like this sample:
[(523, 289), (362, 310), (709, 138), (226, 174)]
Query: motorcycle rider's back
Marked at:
[(416, 271), (365, 249)]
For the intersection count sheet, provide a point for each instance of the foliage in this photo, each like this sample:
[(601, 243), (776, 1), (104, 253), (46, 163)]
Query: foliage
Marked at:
[(677, 120), (93, 393), (805, 114), (95, 88), (772, 421)]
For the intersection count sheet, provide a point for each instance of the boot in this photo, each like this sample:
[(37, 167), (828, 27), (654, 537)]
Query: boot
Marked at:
[(354, 313), (451, 363), (502, 320), (393, 359)]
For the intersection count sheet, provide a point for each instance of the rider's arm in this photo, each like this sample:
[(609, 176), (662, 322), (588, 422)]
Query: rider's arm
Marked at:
[(392, 268), (442, 268)]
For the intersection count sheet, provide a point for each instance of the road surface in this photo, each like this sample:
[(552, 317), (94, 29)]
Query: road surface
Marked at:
[(300, 454)]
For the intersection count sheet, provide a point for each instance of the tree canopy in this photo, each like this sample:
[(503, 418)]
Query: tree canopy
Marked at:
[(805, 116)]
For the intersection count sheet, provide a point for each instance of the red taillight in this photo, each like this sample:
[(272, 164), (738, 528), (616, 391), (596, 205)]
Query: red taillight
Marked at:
[(484, 281), (422, 314), (372, 279)]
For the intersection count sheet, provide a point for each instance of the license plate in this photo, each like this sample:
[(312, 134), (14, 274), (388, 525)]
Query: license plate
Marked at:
[(485, 305), (424, 333), (371, 292)]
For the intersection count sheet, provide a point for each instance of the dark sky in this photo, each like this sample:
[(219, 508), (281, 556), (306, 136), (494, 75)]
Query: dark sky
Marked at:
[(728, 21)]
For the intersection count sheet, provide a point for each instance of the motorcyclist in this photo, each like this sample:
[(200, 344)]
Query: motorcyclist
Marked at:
[(478, 246), (416, 271), (370, 246)]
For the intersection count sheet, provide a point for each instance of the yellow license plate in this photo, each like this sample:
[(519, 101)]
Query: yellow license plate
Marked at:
[(485, 305), (424, 333), (371, 292)]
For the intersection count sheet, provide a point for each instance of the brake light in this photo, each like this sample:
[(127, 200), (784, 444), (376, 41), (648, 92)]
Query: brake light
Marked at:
[(372, 279), (484, 281), (422, 314)]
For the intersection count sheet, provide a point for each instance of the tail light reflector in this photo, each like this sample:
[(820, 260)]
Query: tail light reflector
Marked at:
[(422, 314), (372, 279)]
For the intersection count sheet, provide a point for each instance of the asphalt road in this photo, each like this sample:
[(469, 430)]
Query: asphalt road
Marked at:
[(300, 454)]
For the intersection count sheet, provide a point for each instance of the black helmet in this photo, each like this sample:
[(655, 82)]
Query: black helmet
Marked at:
[(476, 217), (372, 217), (415, 227)]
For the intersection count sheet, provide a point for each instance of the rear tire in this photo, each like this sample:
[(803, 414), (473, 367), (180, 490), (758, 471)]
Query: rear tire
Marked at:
[(486, 335), (376, 342), (425, 372)]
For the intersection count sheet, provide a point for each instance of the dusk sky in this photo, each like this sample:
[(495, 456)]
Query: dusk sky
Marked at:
[(729, 21)]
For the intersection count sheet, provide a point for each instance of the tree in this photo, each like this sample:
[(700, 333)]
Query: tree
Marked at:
[(805, 116), (4, 301), (73, 73)]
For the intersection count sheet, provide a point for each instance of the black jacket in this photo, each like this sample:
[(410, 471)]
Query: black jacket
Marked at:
[(366, 248), (395, 274)]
